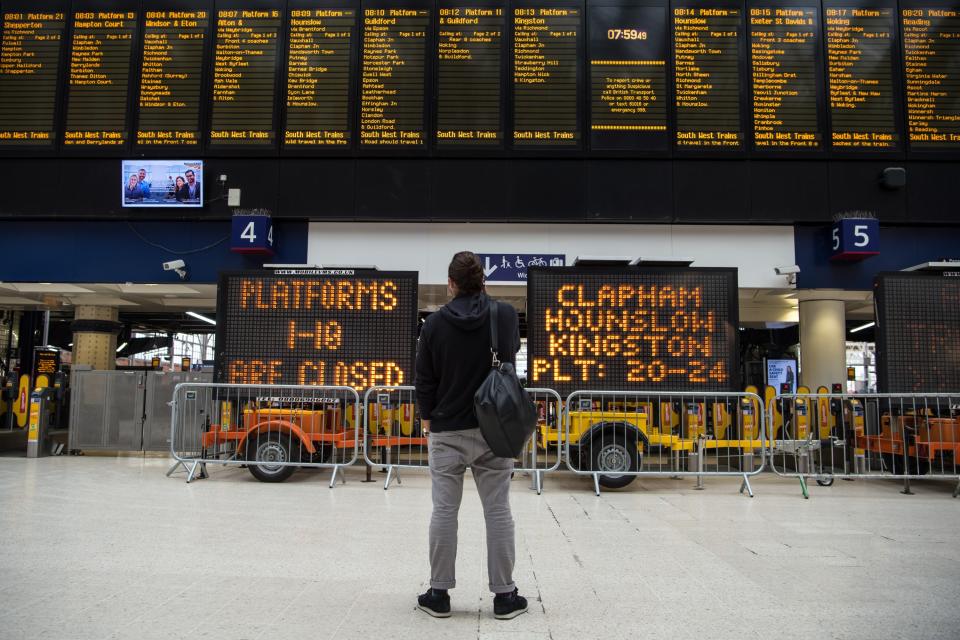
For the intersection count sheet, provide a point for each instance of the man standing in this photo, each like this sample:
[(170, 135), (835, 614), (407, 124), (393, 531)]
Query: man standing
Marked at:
[(193, 187), (453, 360), (142, 183)]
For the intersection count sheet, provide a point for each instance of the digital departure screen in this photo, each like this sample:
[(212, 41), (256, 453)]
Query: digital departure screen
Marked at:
[(392, 79), (706, 63), (99, 78), (860, 45), (244, 77), (469, 59), (319, 77), (545, 76), (29, 71), (622, 329), (918, 333), (859, 80), (931, 56), (628, 80), (171, 78), (315, 327), (783, 58), (46, 363)]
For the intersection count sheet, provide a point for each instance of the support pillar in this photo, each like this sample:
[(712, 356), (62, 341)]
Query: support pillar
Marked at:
[(823, 341), (95, 332)]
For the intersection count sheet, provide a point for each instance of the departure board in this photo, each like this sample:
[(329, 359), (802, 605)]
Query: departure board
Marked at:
[(545, 76), (628, 80), (393, 74), (244, 77), (99, 78), (469, 43), (318, 78), (864, 79), (171, 78), (931, 50), (783, 58), (860, 77), (621, 329), (918, 332), (29, 70), (316, 327), (707, 83)]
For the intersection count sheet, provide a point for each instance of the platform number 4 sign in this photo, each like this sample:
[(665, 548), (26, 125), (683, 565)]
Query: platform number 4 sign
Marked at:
[(253, 234), (854, 239)]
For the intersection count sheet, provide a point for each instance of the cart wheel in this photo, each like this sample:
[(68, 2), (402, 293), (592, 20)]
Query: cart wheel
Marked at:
[(611, 457), (273, 448), (825, 482)]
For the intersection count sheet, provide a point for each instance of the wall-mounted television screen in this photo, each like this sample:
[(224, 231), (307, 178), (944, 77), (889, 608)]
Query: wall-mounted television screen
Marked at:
[(162, 183)]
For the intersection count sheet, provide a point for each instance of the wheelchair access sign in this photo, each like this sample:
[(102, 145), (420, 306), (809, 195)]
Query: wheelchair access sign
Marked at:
[(512, 267)]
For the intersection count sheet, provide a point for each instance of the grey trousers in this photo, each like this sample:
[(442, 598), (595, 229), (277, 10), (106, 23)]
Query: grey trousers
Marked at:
[(450, 452)]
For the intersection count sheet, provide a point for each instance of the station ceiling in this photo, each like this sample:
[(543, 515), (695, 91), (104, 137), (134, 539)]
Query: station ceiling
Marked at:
[(163, 307)]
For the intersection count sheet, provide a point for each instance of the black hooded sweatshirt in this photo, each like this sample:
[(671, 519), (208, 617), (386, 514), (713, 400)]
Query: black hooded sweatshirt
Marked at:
[(453, 358)]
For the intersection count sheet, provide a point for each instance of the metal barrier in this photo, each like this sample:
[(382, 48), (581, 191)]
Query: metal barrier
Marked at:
[(543, 453), (392, 438), (270, 429), (615, 436), (391, 431), (876, 435)]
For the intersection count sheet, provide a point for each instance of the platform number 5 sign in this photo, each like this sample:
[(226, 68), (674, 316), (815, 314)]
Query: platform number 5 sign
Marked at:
[(252, 234), (854, 239)]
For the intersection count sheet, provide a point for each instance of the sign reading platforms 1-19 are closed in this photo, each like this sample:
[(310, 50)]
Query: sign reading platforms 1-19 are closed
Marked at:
[(316, 327), (620, 329)]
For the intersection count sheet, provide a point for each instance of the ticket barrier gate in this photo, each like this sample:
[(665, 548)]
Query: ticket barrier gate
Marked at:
[(835, 423), (43, 410)]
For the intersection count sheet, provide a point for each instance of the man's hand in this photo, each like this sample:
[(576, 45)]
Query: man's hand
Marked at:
[(425, 426)]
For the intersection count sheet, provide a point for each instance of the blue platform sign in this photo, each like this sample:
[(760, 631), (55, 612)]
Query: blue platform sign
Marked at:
[(854, 239), (512, 267), (252, 234)]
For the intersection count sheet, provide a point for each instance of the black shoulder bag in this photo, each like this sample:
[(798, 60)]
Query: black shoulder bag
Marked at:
[(506, 414)]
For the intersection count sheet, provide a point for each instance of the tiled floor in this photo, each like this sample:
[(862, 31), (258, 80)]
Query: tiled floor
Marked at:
[(110, 548)]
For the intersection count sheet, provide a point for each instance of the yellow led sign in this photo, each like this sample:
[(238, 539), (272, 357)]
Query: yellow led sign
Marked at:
[(348, 330), (629, 329)]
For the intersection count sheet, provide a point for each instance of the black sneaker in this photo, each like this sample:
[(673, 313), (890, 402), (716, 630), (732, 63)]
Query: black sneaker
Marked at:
[(436, 602), (508, 605)]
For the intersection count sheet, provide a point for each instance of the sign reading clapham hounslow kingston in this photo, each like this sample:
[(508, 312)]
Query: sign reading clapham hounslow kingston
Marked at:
[(316, 327), (632, 328)]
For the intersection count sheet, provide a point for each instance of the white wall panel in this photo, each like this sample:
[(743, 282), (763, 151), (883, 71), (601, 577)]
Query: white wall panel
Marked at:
[(427, 247)]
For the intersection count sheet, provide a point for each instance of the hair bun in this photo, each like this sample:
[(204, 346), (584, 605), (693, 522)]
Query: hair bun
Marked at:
[(466, 272)]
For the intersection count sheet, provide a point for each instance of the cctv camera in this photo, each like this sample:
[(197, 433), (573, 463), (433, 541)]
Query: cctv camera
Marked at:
[(174, 265), (790, 270), (177, 265)]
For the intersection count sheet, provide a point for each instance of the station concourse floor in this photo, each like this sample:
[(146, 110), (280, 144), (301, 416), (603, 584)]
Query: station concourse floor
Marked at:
[(105, 547)]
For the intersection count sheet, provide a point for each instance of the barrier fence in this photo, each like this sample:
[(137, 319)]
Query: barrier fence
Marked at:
[(876, 435), (392, 434), (612, 436), (615, 436), (393, 438), (270, 429)]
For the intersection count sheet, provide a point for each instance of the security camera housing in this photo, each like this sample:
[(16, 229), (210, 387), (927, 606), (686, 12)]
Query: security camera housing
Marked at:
[(787, 270), (174, 265)]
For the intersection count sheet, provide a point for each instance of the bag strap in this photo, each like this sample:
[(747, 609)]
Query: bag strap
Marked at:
[(494, 341)]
